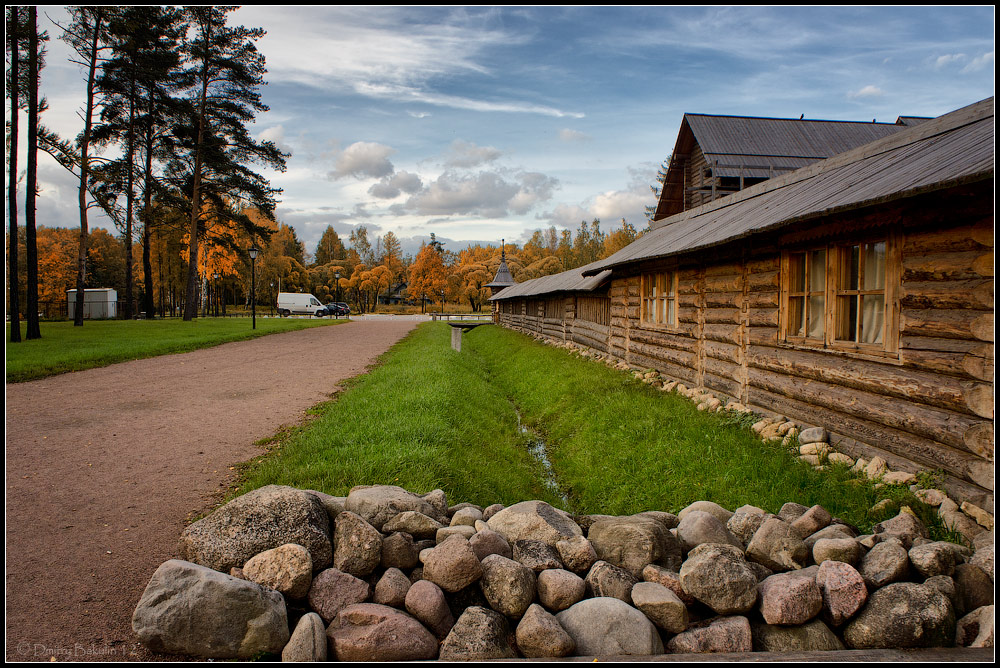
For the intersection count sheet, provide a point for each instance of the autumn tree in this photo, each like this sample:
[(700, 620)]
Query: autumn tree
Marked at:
[(618, 239), (428, 275), (330, 248)]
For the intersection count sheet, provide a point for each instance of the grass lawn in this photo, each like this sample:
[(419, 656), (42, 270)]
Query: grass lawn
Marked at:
[(64, 347), (428, 418)]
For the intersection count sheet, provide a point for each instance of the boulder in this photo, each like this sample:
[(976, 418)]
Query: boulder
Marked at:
[(709, 507), (661, 605), (333, 590), (903, 615), (843, 549), (719, 635), (634, 542), (536, 555), (508, 586), (452, 565), (416, 524), (930, 559), (669, 579), (391, 588), (260, 520), (398, 551), (540, 636), (812, 637), (479, 634), (609, 627), (843, 590), (789, 599), (372, 632), (426, 601), (558, 589), (487, 542), (358, 545), (534, 520), (973, 587), (718, 576), (811, 521), (378, 504), (697, 527), (577, 554), (608, 580), (884, 564), (745, 522), (287, 569), (976, 628), (904, 526), (308, 640), (190, 609), (777, 546)]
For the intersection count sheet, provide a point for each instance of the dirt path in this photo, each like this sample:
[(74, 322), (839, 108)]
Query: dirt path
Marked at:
[(103, 466)]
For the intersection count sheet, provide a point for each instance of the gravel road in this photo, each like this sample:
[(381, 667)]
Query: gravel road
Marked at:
[(104, 466)]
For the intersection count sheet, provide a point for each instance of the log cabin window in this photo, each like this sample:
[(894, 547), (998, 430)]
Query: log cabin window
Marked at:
[(840, 296), (659, 298)]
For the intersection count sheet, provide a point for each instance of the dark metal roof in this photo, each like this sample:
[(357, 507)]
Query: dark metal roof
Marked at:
[(744, 137), (572, 280), (503, 278), (755, 147), (949, 150)]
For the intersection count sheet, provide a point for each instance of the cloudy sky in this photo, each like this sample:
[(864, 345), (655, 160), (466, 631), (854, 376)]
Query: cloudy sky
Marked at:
[(484, 123)]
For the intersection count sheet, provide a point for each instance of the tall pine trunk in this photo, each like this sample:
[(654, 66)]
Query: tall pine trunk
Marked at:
[(81, 261), (191, 302), (12, 276), (31, 187)]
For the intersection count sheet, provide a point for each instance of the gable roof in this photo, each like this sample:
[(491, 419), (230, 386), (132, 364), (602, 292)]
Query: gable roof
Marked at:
[(571, 280), (943, 152), (754, 147)]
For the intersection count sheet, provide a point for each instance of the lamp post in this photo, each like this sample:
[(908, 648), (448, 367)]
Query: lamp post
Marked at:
[(215, 293), (253, 283)]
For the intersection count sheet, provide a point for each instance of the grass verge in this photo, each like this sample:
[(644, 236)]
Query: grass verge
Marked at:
[(64, 347), (427, 417)]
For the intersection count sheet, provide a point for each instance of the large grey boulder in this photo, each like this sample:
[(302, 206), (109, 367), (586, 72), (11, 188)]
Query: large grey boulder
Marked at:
[(609, 627), (903, 615), (479, 634), (718, 576), (378, 504), (194, 610), (776, 545), (508, 586), (534, 520), (372, 632), (257, 521)]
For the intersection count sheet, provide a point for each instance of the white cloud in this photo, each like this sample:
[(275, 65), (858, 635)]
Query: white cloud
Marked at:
[(979, 62), (485, 194), (276, 135), (947, 59), (393, 186), (467, 155), (364, 160), (867, 91)]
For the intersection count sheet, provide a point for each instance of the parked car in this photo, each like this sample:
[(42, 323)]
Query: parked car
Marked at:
[(338, 309)]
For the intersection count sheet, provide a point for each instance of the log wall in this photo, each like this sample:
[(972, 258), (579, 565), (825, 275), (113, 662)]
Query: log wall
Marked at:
[(927, 405)]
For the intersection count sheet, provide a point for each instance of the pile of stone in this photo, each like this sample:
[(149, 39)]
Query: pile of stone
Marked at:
[(812, 444), (388, 575)]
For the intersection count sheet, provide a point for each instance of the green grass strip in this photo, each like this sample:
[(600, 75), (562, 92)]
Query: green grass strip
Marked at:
[(64, 347), (427, 417)]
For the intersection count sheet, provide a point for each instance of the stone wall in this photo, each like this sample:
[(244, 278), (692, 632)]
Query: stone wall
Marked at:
[(388, 575)]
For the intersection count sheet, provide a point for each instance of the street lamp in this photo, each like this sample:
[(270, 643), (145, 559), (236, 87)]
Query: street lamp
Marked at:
[(253, 283), (215, 293)]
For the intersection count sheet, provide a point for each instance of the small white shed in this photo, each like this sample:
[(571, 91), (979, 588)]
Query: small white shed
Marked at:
[(97, 303)]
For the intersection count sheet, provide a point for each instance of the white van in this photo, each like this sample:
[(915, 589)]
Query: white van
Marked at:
[(296, 303)]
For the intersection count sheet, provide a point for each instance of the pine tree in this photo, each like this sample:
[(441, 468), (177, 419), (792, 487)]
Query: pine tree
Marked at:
[(226, 71), (14, 31)]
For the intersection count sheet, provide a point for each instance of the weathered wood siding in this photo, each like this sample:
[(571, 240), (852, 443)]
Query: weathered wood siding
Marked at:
[(927, 405)]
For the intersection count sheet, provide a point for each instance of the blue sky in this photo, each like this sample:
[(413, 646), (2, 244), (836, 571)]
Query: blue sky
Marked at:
[(481, 123)]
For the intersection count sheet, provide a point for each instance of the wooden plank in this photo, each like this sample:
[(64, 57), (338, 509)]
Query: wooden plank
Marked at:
[(933, 424)]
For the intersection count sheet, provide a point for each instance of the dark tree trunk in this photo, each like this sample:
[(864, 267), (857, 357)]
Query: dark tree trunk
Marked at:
[(14, 282), (31, 187)]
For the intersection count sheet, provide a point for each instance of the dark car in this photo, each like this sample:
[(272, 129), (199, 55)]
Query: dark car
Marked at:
[(338, 309)]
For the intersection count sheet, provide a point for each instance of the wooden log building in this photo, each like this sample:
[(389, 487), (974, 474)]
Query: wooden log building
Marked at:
[(855, 294)]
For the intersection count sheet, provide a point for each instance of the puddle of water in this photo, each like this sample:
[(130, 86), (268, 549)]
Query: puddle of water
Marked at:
[(537, 449)]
